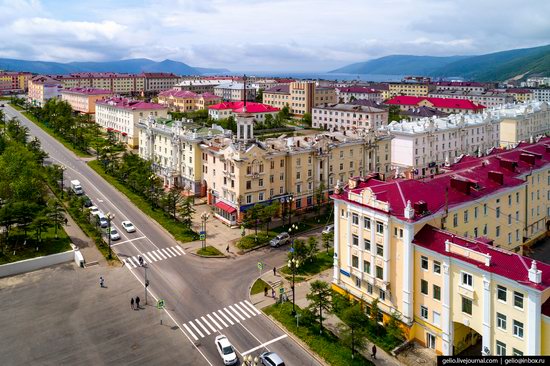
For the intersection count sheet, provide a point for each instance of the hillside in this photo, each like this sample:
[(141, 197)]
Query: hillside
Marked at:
[(496, 66), (123, 66)]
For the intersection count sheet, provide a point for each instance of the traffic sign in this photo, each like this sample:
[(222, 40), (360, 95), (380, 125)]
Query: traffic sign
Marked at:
[(160, 304), (291, 250), (260, 266), (202, 237), (281, 290), (202, 232)]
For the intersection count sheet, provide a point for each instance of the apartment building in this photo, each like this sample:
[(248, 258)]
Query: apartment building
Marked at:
[(83, 100), (446, 105), (341, 117), (155, 82), (521, 95), (422, 249), (411, 89), (348, 94), (120, 116), (187, 101), (424, 145), (200, 86), (300, 96), (41, 89), (462, 86), (11, 82), (489, 98), (235, 92), (258, 111), (241, 173), (541, 94), (522, 121)]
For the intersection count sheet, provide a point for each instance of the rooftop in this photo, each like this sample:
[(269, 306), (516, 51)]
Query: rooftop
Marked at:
[(433, 124), (350, 108), (424, 112), (501, 262), (518, 109), (436, 102), (471, 93), (86, 91), (470, 84), (125, 103), (279, 89), (359, 89), (251, 107)]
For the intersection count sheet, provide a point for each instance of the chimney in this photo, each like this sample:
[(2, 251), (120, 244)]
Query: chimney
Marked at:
[(535, 275), (461, 185), (409, 212), (496, 177), (508, 164), (352, 183), (527, 158), (420, 207), (547, 148)]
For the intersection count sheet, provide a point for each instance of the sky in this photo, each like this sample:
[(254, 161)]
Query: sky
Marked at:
[(266, 35)]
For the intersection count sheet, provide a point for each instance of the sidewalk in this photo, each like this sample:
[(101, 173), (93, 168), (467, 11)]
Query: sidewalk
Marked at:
[(85, 244), (331, 322)]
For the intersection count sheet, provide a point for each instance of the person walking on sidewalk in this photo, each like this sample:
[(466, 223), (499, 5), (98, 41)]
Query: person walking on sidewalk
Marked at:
[(374, 351), (101, 281), (132, 303), (265, 291), (137, 302), (227, 249), (274, 271), (273, 293)]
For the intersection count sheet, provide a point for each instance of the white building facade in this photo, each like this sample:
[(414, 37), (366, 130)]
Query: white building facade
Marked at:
[(340, 117)]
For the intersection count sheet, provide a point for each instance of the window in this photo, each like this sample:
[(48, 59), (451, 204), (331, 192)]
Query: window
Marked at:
[(248, 184), (343, 213), (475, 212), (382, 295), (380, 250), (518, 329), (355, 219), (261, 182), (485, 209), (437, 267), (424, 262), (379, 272), (497, 231), (455, 220), (366, 223), (369, 290), (466, 306), (379, 227), (424, 287), (366, 267), (355, 240), (248, 198), (467, 279), (501, 321), (366, 244), (436, 318), (437, 292), (517, 352), (501, 293), (424, 312), (501, 349), (465, 216), (355, 261), (518, 300), (261, 196), (358, 282)]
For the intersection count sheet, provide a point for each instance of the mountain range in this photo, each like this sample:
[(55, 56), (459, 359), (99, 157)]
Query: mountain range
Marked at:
[(498, 66), (136, 65)]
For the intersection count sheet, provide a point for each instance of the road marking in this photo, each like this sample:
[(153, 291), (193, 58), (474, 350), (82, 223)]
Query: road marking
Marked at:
[(242, 311), (252, 306), (161, 254), (130, 262), (135, 259), (236, 312), (207, 323), (231, 314), (225, 316), (247, 309), (264, 344), (220, 319), (147, 258), (166, 252), (213, 321), (176, 254), (202, 326), (190, 332), (197, 329), (127, 241), (153, 254), (180, 249)]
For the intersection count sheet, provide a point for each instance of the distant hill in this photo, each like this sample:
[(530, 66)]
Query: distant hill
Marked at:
[(128, 66), (496, 66)]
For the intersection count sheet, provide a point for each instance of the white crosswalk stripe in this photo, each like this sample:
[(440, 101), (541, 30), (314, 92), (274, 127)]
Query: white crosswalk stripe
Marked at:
[(180, 249), (174, 252), (130, 262), (147, 258), (166, 252), (155, 256), (222, 318), (158, 252)]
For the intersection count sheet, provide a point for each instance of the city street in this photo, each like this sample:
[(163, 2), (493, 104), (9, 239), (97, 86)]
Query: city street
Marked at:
[(204, 297)]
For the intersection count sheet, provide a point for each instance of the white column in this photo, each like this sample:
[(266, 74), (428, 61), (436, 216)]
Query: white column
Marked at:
[(386, 253), (336, 240), (487, 323), (408, 272), (446, 321), (533, 324), (348, 238), (372, 245)]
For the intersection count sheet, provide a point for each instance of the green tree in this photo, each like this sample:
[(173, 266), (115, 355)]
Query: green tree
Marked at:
[(186, 211), (327, 238), (267, 214), (40, 224), (352, 331), (253, 217), (56, 214), (394, 113), (284, 113), (393, 327), (260, 96), (301, 251), (171, 201), (319, 197), (306, 119), (312, 248), (320, 300), (374, 313)]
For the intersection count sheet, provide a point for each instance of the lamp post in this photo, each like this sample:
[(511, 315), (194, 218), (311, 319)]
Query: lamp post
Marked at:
[(204, 218), (249, 361), (110, 217), (62, 168), (289, 201), (293, 264)]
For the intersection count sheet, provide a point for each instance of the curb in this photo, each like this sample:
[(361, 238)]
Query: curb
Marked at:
[(208, 256)]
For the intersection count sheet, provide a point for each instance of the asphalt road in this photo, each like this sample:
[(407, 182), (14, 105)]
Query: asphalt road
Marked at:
[(204, 297)]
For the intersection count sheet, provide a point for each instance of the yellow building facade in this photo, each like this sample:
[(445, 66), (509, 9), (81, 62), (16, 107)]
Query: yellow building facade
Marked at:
[(522, 122), (299, 96), (411, 89)]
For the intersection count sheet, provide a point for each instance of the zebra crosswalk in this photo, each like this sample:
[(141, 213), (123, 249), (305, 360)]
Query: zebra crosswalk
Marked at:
[(155, 255), (220, 319)]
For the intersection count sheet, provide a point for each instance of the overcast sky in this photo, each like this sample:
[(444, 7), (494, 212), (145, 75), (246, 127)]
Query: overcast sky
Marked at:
[(266, 35)]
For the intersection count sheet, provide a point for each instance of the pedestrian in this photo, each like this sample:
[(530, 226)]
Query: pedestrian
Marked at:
[(132, 303), (101, 281), (274, 271), (137, 302), (273, 293), (227, 249), (265, 291), (374, 351), (140, 259), (66, 221)]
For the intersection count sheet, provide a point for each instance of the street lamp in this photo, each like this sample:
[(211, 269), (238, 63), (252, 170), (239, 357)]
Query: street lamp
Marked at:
[(293, 264), (110, 217), (204, 217), (289, 201), (249, 361), (62, 168)]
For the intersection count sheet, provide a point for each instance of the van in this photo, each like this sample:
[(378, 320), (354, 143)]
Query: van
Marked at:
[(102, 220)]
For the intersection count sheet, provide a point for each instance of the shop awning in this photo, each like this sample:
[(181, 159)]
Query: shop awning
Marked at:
[(225, 207)]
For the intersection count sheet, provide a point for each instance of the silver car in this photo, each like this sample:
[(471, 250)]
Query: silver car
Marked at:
[(281, 239), (271, 359)]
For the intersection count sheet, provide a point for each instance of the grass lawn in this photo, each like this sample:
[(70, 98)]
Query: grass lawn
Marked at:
[(258, 287), (209, 251), (59, 138), (325, 345), (49, 245), (179, 232), (17, 107), (250, 241), (321, 262)]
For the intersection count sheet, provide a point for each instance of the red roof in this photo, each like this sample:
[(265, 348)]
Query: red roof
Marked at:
[(503, 262), (87, 91), (359, 89), (237, 107), (178, 94), (225, 207), (460, 83), (468, 180), (125, 103), (437, 102)]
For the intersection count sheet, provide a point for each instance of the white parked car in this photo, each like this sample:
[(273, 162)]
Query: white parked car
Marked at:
[(94, 211), (226, 350), (128, 226), (114, 234), (328, 229)]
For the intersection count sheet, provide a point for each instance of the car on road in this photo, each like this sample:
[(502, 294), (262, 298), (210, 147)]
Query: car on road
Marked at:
[(328, 229), (94, 211), (87, 202), (114, 234), (128, 226), (102, 220), (226, 350), (281, 239), (271, 359)]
